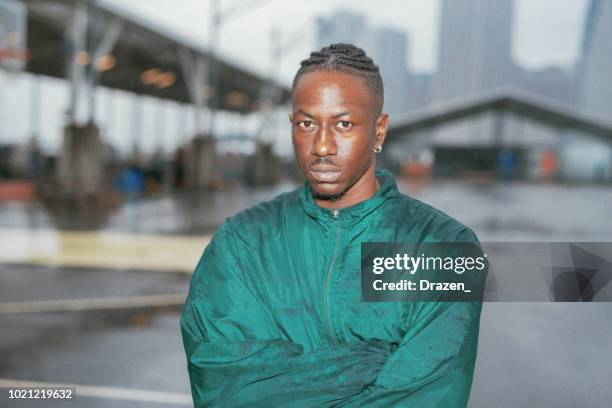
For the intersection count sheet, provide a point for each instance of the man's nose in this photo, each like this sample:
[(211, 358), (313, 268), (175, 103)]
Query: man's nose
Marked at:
[(324, 143)]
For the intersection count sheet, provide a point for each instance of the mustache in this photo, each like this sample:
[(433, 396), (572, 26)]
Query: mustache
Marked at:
[(323, 161)]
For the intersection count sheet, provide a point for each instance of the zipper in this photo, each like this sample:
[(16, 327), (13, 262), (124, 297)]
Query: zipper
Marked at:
[(335, 214)]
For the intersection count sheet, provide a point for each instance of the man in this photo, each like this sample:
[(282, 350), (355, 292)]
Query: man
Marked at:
[(274, 316)]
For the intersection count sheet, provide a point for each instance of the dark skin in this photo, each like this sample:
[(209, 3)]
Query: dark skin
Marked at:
[(336, 123)]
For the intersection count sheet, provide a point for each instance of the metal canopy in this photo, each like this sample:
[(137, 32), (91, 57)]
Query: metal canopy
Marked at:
[(503, 100), (138, 48)]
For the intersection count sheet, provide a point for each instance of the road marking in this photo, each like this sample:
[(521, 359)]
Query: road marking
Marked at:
[(105, 303), (107, 392), (102, 249)]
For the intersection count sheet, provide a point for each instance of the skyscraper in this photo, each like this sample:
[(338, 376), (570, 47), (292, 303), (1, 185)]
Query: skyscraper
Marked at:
[(385, 45), (474, 51), (587, 158), (474, 55), (343, 26), (389, 52), (594, 88)]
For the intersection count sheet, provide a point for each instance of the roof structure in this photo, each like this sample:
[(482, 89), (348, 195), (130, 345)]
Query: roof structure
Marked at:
[(503, 100), (140, 47)]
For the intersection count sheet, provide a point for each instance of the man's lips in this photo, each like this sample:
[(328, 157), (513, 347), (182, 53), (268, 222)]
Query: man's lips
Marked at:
[(325, 174)]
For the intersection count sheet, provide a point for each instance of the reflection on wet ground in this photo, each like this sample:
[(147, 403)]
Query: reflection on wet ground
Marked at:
[(546, 355), (524, 212), (496, 211), (180, 214)]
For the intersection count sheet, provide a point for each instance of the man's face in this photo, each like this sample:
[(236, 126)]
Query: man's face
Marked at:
[(334, 129)]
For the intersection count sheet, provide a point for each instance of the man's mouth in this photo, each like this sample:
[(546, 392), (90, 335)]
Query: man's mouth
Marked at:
[(325, 174)]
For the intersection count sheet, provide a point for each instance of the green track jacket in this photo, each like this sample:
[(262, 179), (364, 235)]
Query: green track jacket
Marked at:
[(274, 316)]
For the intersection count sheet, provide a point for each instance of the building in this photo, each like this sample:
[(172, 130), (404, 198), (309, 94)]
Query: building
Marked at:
[(390, 53), (387, 46), (474, 55), (343, 26), (474, 52), (553, 82), (592, 159), (594, 88)]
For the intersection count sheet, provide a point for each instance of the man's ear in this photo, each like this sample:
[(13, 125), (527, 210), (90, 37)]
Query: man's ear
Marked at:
[(290, 119), (382, 123)]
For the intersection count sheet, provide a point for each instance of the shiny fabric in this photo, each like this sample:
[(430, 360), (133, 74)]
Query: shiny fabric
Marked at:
[(274, 316)]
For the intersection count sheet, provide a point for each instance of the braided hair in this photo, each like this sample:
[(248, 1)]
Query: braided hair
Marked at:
[(346, 58)]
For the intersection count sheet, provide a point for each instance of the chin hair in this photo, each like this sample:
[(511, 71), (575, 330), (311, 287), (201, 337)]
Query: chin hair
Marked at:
[(328, 197), (338, 196)]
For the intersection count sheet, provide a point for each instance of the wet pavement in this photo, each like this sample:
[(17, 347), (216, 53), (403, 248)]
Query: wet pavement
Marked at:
[(120, 349), (28, 283), (545, 355)]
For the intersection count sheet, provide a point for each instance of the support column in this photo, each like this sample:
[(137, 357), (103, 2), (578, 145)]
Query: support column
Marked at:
[(200, 153), (499, 128), (81, 162), (104, 48), (195, 72), (136, 127), (77, 58), (35, 158), (200, 160), (264, 166)]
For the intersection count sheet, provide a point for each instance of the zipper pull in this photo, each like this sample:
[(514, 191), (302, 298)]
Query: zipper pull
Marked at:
[(335, 213)]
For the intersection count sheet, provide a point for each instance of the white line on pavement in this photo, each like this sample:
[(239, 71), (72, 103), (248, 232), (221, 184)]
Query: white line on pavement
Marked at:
[(106, 303)]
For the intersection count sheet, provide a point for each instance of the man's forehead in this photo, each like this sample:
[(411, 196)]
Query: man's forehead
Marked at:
[(311, 109), (335, 91)]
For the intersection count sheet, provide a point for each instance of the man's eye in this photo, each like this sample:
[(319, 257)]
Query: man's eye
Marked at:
[(305, 124), (344, 124)]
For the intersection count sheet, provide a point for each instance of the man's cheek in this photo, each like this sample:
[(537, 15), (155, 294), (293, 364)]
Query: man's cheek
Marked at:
[(348, 148)]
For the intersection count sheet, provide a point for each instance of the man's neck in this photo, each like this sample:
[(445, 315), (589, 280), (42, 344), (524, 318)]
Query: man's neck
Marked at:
[(362, 190)]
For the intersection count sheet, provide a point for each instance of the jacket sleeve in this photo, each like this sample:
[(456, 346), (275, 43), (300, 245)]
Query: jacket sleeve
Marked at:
[(434, 363), (237, 356)]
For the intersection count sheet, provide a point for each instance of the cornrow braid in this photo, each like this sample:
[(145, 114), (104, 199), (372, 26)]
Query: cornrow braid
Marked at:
[(344, 58)]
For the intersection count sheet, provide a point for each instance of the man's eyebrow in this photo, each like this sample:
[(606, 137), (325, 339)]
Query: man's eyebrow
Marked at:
[(341, 114), (310, 115), (305, 113)]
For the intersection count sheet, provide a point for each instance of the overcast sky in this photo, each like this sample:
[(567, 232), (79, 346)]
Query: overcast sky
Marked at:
[(547, 32)]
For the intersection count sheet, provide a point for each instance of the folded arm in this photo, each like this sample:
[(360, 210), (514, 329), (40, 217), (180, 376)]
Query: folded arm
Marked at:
[(237, 357), (434, 363)]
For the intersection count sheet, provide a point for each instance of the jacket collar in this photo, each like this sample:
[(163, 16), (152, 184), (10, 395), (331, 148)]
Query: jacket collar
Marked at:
[(350, 215)]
